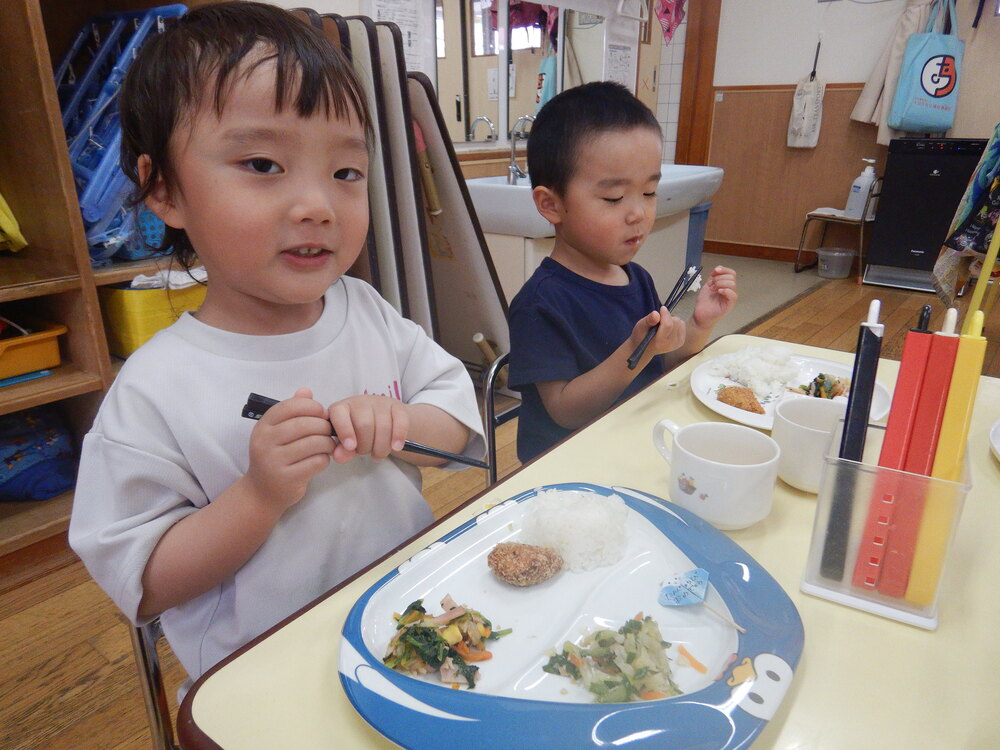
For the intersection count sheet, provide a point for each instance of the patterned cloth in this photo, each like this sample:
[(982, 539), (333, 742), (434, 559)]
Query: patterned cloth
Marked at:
[(670, 13), (37, 459), (972, 227)]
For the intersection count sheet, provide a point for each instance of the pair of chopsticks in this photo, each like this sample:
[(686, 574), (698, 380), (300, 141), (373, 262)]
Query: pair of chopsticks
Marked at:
[(676, 294), (256, 405)]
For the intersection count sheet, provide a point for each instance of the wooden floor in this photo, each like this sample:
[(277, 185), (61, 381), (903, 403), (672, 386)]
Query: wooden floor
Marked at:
[(67, 679)]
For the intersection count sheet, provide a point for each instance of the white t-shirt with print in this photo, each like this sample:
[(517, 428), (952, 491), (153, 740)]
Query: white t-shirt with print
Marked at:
[(169, 437)]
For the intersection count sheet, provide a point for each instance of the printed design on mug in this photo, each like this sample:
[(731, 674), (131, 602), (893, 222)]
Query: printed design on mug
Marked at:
[(938, 76), (687, 486)]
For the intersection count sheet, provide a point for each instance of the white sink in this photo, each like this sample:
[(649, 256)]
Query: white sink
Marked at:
[(509, 209)]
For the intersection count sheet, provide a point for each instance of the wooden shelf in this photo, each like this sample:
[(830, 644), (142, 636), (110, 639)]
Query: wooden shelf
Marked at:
[(52, 277), (30, 290), (26, 522), (120, 272), (66, 381), (31, 273)]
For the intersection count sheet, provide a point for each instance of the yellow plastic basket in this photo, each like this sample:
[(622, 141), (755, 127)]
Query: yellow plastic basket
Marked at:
[(132, 316)]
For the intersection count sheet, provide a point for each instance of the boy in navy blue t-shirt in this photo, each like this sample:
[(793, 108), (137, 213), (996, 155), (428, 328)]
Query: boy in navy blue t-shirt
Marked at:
[(594, 156)]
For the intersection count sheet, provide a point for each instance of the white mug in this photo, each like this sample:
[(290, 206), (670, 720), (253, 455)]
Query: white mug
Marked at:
[(803, 427), (722, 472)]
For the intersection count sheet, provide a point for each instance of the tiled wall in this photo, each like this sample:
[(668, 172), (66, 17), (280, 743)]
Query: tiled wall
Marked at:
[(668, 90)]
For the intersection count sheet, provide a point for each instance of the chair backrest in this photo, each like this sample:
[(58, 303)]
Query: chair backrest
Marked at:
[(492, 419), (154, 695)]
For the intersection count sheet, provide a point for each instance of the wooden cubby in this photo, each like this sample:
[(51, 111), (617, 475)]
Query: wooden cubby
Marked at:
[(52, 277)]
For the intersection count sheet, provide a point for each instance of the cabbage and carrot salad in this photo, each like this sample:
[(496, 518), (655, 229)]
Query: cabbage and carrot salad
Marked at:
[(448, 643), (619, 666)]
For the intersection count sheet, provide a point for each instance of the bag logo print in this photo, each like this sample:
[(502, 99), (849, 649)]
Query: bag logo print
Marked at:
[(939, 76)]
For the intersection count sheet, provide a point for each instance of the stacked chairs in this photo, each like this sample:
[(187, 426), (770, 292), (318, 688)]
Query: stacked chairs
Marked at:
[(88, 81)]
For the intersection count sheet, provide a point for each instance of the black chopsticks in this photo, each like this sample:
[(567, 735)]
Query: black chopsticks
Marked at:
[(852, 443), (256, 405), (676, 294)]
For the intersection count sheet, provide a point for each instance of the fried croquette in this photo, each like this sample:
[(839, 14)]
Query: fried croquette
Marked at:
[(524, 564), (741, 398)]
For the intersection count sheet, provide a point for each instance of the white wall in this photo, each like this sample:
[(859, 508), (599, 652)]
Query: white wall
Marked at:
[(768, 42)]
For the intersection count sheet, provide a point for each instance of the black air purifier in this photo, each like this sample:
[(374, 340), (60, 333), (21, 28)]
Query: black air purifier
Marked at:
[(925, 178)]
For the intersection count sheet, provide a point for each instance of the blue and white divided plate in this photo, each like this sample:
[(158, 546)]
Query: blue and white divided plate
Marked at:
[(742, 678)]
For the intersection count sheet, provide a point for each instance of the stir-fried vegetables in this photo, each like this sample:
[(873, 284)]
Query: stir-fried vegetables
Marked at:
[(825, 386), (444, 643), (630, 664)]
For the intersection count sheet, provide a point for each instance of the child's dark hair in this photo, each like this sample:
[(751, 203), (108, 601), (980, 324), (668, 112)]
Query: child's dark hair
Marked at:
[(200, 55), (565, 123)]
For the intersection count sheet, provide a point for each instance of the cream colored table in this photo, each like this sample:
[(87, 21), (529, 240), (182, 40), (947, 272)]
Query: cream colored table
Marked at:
[(862, 681)]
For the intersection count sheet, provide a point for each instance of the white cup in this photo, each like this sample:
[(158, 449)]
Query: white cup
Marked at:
[(803, 428), (722, 472)]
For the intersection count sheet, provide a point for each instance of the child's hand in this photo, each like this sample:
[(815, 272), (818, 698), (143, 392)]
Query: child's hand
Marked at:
[(368, 426), (715, 298), (669, 336), (289, 446)]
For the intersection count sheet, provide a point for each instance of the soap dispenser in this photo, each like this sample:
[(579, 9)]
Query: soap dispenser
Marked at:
[(859, 193)]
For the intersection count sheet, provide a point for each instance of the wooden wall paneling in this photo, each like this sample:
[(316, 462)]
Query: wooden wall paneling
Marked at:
[(769, 187)]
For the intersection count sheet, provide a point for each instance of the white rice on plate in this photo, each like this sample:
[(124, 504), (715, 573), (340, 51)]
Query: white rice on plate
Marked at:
[(766, 370), (587, 529)]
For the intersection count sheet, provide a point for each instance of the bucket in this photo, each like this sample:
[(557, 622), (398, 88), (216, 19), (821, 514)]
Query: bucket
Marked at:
[(835, 262)]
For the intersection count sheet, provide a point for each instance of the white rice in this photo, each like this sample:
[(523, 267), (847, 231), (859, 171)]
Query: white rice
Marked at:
[(587, 529), (766, 370)]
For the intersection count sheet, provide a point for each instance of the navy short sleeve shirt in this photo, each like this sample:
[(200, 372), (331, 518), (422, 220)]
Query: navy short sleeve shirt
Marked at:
[(563, 325)]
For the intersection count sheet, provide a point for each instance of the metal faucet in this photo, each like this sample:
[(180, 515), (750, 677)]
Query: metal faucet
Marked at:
[(513, 171), (489, 123)]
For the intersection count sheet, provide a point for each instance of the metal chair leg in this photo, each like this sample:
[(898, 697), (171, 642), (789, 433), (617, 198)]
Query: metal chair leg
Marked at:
[(491, 419), (154, 695), (802, 241)]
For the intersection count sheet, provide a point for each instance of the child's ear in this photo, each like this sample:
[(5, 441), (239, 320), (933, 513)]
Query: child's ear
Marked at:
[(547, 203), (159, 200)]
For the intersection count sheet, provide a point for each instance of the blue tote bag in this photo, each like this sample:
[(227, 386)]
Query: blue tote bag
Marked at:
[(927, 91)]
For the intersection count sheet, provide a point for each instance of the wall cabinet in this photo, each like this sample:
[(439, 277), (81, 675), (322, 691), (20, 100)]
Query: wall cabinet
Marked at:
[(51, 279)]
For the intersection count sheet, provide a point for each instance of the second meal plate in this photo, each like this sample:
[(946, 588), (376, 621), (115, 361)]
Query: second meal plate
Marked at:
[(705, 385)]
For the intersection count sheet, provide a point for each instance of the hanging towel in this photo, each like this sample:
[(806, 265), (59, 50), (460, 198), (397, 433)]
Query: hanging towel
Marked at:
[(807, 108), (875, 101), (972, 227), (807, 113)]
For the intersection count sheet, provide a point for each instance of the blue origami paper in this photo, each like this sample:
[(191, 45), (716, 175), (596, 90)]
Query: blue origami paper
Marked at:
[(685, 588)]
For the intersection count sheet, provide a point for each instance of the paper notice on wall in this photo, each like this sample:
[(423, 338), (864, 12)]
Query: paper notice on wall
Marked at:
[(617, 63), (416, 26), (621, 51)]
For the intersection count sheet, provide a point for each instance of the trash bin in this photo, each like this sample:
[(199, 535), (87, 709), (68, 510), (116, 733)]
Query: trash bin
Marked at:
[(696, 234), (835, 262)]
